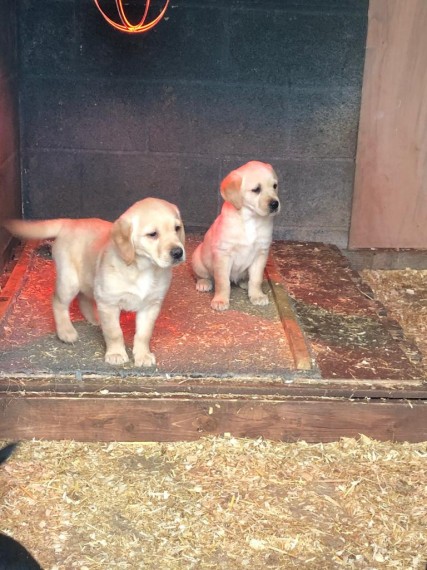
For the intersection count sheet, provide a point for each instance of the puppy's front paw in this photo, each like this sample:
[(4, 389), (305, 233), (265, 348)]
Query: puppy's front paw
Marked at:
[(259, 299), (117, 357), (68, 335), (145, 359), (220, 304), (204, 285)]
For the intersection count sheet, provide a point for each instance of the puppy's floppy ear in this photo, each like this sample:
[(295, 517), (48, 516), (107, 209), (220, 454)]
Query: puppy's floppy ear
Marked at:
[(181, 231), (230, 189), (121, 233), (271, 168)]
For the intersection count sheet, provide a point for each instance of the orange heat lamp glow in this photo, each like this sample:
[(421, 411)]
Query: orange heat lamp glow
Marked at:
[(126, 26)]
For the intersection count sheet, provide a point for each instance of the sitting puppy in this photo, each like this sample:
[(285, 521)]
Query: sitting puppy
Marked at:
[(122, 266), (235, 248)]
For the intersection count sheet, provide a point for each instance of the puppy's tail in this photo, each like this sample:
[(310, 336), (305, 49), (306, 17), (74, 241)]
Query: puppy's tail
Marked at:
[(34, 229)]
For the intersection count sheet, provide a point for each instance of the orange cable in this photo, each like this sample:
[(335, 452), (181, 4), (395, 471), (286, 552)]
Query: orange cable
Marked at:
[(126, 25)]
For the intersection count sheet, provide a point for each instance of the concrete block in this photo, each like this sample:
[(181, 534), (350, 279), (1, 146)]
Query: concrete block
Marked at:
[(92, 115), (326, 49), (288, 47), (8, 38), (90, 184), (300, 5), (324, 123), (47, 37), (315, 193), (220, 121)]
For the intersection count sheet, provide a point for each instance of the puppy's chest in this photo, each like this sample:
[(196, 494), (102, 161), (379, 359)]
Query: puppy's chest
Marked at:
[(242, 258), (254, 232), (254, 238), (138, 292)]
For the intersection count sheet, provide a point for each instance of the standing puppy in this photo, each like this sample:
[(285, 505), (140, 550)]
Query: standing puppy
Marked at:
[(122, 266), (235, 248)]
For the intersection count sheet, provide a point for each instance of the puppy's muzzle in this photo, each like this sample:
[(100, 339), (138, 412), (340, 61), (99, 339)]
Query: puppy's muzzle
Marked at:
[(273, 206), (177, 254)]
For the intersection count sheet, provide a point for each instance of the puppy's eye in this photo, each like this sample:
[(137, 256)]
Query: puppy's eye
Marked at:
[(275, 185), (177, 228), (153, 235), (256, 190)]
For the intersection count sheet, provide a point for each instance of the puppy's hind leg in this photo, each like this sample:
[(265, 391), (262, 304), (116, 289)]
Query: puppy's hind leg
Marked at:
[(204, 279), (256, 274), (87, 308), (222, 268), (204, 284), (243, 281), (66, 290)]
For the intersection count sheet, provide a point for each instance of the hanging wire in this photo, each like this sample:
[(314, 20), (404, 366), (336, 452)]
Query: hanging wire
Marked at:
[(126, 26)]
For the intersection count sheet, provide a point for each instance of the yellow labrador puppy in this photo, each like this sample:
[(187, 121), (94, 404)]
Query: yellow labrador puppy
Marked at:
[(235, 248), (125, 265)]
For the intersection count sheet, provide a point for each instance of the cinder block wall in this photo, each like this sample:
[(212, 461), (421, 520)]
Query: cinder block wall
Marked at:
[(109, 118), (10, 197)]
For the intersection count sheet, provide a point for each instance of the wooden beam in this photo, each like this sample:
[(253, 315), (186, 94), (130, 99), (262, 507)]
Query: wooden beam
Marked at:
[(242, 386), (174, 419), (389, 205)]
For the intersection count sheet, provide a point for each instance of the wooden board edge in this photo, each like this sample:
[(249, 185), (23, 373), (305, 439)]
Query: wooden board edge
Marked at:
[(87, 383), (295, 336), (184, 419)]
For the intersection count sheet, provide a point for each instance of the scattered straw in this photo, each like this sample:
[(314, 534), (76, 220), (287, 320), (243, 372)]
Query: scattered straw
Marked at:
[(219, 503)]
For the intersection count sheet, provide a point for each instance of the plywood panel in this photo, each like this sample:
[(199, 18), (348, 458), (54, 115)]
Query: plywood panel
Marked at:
[(390, 196)]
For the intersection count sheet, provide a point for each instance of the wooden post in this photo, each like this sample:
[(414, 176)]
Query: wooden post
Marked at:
[(390, 194)]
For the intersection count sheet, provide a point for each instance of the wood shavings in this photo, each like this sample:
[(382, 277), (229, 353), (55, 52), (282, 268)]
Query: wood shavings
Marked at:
[(404, 293), (218, 503)]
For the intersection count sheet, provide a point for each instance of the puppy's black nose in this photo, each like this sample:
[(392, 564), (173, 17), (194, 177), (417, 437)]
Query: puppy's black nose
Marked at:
[(176, 253), (274, 204)]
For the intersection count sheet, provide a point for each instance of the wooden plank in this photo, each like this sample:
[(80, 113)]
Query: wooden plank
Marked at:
[(14, 283), (206, 387), (389, 205), (294, 334), (86, 385), (176, 419)]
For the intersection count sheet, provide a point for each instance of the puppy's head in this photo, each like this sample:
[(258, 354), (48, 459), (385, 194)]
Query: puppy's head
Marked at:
[(254, 186), (153, 229)]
